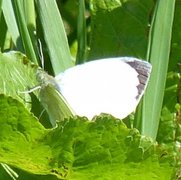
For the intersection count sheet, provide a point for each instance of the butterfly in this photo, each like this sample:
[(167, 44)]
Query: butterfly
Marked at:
[(111, 85)]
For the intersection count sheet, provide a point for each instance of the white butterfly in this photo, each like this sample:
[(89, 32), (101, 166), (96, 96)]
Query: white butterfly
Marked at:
[(112, 85)]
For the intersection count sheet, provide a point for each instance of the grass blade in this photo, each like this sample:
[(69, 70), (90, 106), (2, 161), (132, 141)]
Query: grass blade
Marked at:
[(55, 36), (30, 14), (12, 25), (81, 34), (0, 8), (27, 42), (158, 54)]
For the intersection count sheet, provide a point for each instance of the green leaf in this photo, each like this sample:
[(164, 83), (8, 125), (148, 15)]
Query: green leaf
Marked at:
[(119, 28), (77, 148), (168, 122), (23, 130), (176, 39), (17, 75)]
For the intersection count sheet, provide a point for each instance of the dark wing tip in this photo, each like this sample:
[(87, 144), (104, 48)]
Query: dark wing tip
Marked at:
[(143, 69)]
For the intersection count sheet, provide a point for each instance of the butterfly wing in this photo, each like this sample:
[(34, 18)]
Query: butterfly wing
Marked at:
[(112, 85), (143, 69), (53, 101)]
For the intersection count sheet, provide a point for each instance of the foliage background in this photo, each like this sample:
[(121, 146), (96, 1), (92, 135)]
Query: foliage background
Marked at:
[(144, 29)]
